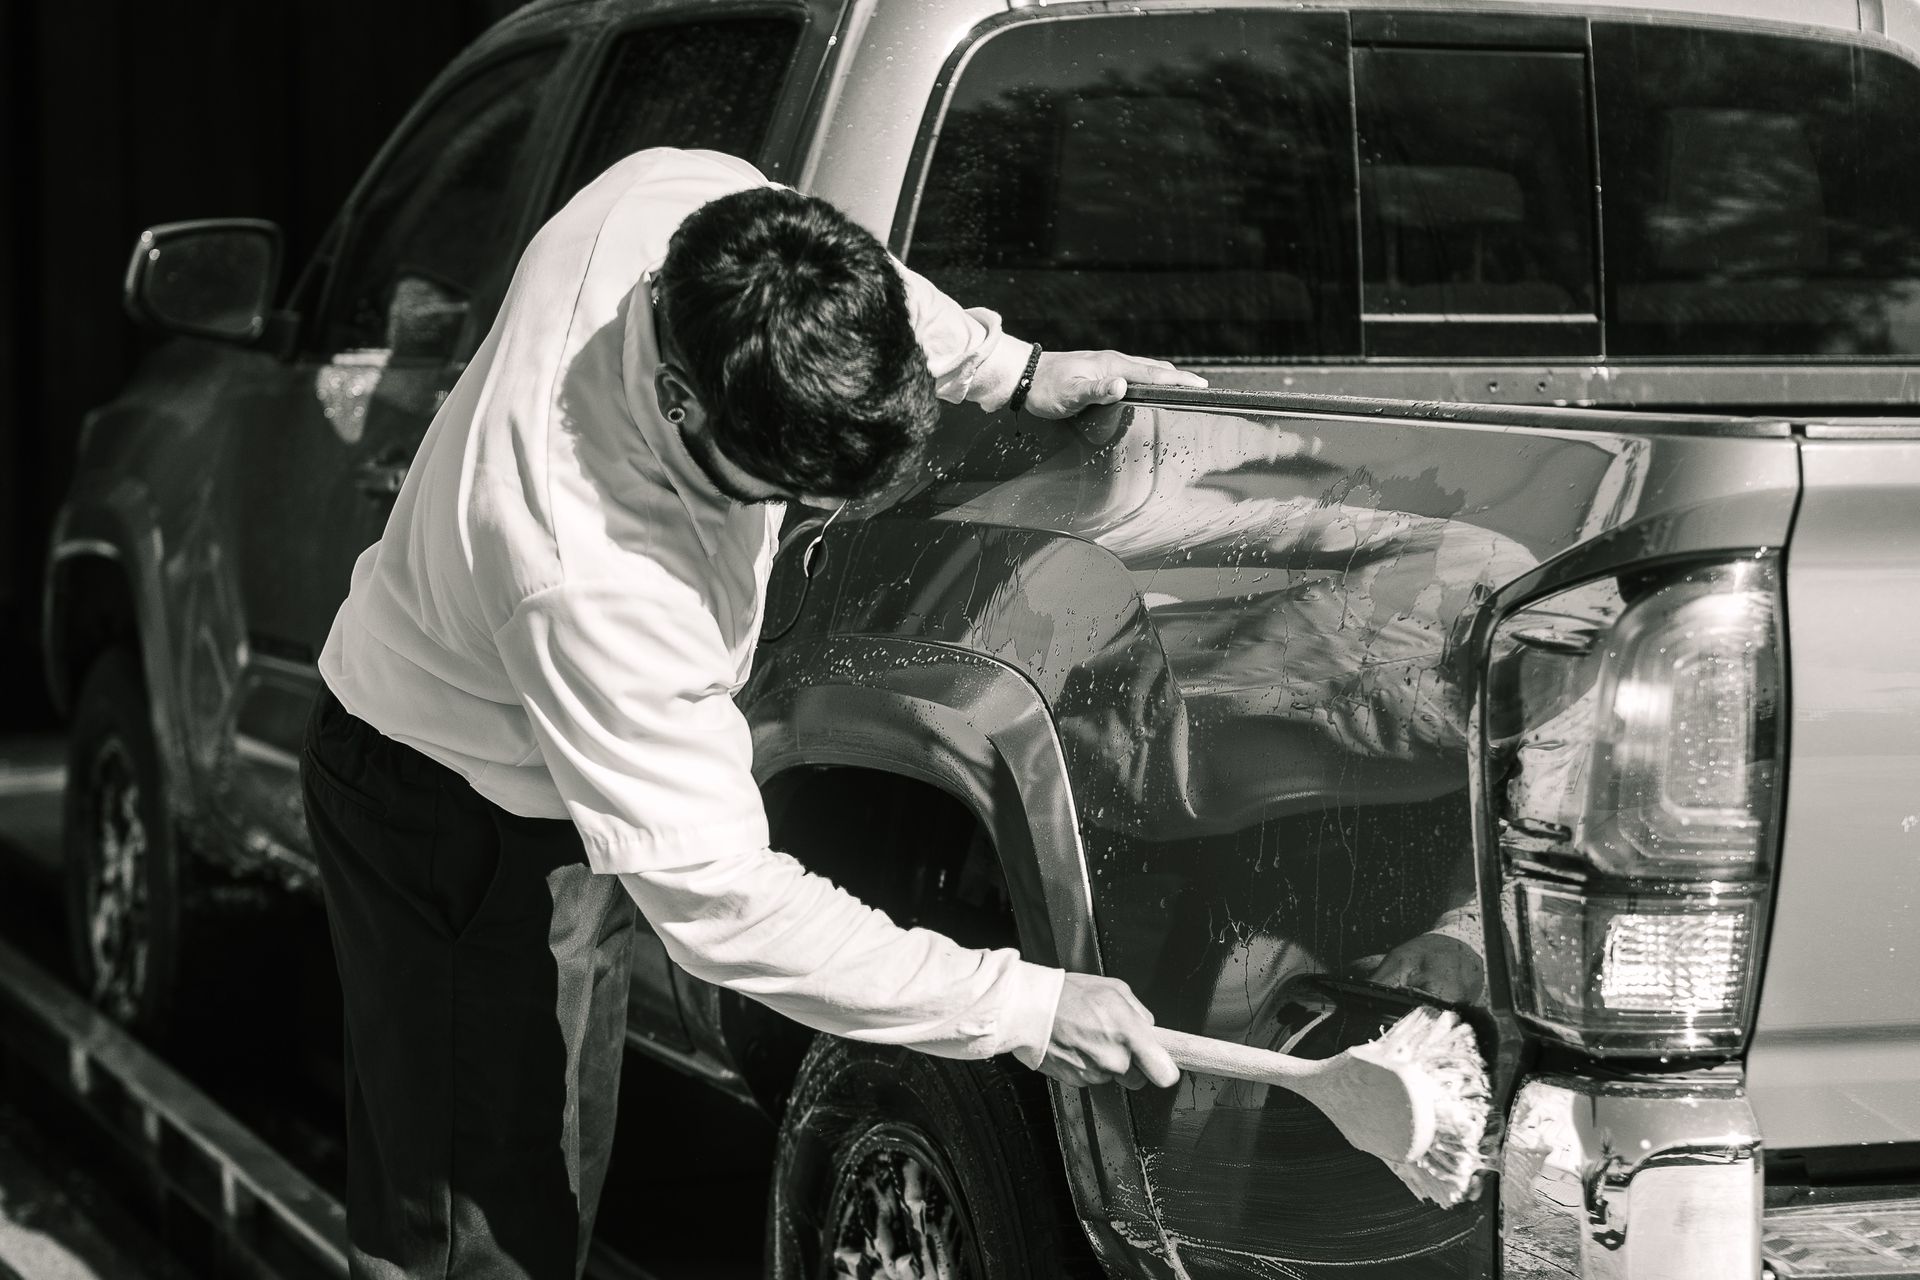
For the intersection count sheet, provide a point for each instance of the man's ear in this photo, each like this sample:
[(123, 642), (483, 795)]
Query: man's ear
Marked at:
[(672, 391)]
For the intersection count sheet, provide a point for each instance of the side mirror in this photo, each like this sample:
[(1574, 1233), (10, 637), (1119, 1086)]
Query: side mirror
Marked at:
[(214, 278)]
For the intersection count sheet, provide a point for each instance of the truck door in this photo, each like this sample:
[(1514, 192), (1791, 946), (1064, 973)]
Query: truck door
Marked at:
[(711, 84), (320, 444)]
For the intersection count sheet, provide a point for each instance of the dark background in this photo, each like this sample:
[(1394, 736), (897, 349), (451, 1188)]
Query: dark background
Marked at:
[(115, 115)]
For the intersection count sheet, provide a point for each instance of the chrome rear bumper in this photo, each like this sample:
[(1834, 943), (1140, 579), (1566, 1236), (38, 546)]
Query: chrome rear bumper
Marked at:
[(1662, 1180), (1631, 1181)]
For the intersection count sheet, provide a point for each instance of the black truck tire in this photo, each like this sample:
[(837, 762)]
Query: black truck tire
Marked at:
[(124, 879), (894, 1163)]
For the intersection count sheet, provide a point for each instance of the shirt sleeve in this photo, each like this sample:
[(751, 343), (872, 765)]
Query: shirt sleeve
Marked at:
[(627, 687), (970, 356)]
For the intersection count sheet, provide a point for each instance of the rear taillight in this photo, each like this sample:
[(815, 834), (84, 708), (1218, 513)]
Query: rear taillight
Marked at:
[(1634, 735)]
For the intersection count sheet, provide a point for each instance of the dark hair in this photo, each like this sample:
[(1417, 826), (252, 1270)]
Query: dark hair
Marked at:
[(795, 331)]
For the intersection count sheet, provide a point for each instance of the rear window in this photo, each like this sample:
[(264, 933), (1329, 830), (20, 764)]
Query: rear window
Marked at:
[(1476, 202), (1311, 186), (1759, 195), (1174, 185)]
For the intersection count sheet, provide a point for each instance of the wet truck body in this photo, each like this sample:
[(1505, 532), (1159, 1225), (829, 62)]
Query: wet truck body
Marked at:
[(1528, 618), (1267, 632)]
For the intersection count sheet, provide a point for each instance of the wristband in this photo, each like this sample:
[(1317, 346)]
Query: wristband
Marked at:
[(1020, 388)]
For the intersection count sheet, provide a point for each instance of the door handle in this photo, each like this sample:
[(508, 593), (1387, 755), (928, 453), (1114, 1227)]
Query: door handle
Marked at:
[(382, 477)]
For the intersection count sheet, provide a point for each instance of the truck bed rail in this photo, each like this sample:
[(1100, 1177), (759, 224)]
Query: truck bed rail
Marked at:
[(1552, 417)]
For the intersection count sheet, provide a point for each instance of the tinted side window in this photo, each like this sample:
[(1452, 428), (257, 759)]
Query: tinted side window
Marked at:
[(432, 242), (1176, 185), (708, 85), (1476, 203), (1759, 195)]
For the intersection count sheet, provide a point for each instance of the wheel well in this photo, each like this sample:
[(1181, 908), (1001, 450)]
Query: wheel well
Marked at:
[(899, 844), (96, 612)]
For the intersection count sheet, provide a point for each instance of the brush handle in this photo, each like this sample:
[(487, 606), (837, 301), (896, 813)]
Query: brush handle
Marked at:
[(1237, 1061)]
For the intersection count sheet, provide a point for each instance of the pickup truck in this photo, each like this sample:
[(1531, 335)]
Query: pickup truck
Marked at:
[(1528, 620)]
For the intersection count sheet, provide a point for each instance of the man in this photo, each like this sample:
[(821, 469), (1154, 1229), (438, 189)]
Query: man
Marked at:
[(529, 725)]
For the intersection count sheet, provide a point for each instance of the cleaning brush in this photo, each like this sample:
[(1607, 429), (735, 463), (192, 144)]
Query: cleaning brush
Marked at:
[(1417, 1097)]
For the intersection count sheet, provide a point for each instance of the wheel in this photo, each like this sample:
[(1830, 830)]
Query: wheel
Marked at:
[(123, 875), (895, 1164)]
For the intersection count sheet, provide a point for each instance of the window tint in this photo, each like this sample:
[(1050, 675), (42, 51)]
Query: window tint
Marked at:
[(1759, 195), (1181, 186), (709, 85), (1476, 203), (432, 244)]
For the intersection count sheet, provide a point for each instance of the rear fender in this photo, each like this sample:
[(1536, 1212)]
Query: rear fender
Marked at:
[(979, 730)]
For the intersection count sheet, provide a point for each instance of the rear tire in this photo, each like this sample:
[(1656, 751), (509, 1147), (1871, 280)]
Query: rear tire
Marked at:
[(894, 1163), (124, 890)]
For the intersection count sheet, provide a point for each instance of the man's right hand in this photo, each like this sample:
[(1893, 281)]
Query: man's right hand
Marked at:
[(1101, 1034)]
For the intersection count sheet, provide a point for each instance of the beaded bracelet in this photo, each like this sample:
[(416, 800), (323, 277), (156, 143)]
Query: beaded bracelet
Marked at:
[(1020, 388)]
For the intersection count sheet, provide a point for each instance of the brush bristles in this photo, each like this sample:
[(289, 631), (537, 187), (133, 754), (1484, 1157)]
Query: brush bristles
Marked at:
[(1436, 1049)]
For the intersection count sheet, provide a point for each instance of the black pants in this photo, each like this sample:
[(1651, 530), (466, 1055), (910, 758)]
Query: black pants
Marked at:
[(484, 969)]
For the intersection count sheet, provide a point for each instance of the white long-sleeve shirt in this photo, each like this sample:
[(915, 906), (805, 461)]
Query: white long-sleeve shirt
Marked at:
[(562, 607)]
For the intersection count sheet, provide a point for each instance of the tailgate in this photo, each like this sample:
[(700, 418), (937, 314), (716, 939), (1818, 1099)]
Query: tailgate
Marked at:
[(1836, 1052)]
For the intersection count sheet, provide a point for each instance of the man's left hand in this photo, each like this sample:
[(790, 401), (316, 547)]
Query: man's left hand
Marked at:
[(1065, 382)]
